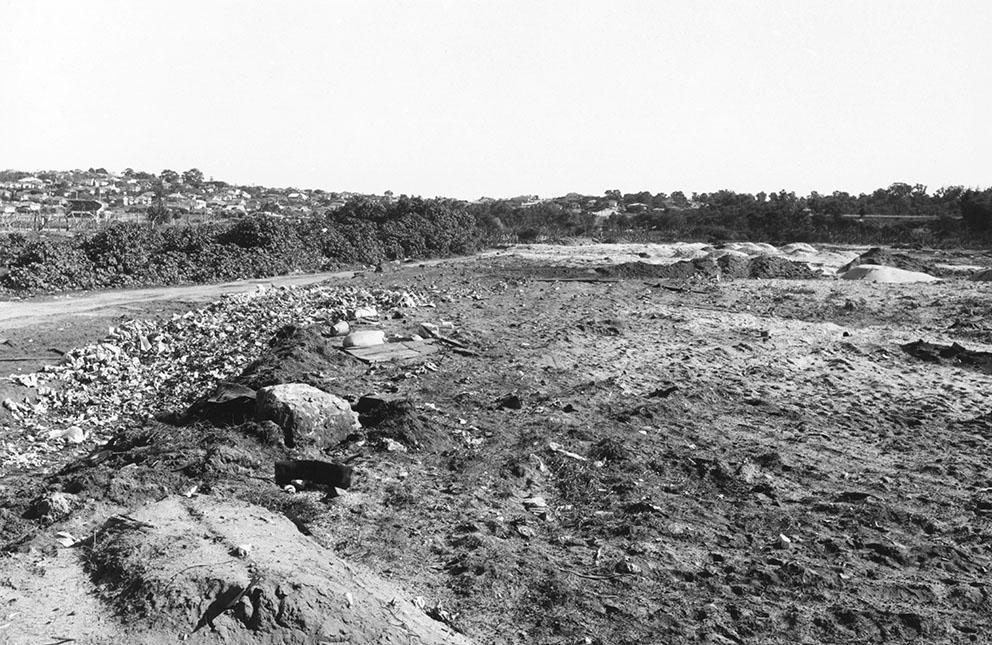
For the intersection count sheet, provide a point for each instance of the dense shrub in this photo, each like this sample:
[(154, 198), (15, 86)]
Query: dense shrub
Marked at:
[(364, 231), (121, 253), (49, 265), (260, 231)]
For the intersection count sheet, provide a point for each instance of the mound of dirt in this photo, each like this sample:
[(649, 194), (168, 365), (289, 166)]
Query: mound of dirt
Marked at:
[(300, 354), (188, 567), (399, 421), (877, 273), (882, 257), (953, 354), (773, 266), (730, 264), (797, 247), (733, 264), (677, 271), (752, 248)]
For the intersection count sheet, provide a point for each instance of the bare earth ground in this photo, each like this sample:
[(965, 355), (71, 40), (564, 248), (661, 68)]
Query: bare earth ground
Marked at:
[(746, 461)]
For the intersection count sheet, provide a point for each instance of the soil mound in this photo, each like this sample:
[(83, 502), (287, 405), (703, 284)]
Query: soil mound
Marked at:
[(953, 354), (730, 264), (877, 273), (189, 567), (773, 266), (733, 264), (883, 257), (677, 271), (299, 354), (798, 247), (753, 248), (399, 421)]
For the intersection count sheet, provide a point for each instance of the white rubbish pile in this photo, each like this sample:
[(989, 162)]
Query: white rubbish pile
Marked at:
[(144, 366), (892, 275)]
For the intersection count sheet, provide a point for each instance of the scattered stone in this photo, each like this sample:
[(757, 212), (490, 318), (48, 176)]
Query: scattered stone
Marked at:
[(53, 506), (391, 445), (536, 505), (241, 551), (364, 313), (341, 328), (625, 567), (430, 329), (307, 415), (73, 434)]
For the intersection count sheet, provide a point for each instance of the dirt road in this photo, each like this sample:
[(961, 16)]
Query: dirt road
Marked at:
[(35, 332), (24, 313)]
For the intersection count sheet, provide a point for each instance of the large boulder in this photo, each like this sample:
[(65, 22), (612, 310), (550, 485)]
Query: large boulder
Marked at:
[(308, 416)]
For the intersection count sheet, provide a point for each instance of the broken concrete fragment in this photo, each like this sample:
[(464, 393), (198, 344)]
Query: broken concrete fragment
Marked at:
[(308, 416), (365, 312), (364, 338)]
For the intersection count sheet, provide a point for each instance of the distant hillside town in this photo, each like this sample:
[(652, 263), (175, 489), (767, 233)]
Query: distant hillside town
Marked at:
[(75, 198)]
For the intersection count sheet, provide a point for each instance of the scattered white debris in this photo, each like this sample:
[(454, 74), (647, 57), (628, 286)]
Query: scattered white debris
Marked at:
[(143, 367)]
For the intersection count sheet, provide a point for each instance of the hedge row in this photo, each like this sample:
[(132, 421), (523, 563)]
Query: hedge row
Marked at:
[(364, 231)]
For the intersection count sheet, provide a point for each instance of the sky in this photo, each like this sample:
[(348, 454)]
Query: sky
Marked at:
[(501, 98)]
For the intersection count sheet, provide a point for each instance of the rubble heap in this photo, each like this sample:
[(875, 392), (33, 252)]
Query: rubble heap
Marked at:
[(143, 366)]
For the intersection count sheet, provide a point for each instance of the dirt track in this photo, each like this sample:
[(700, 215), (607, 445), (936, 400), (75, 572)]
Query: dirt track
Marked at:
[(17, 314), (753, 461)]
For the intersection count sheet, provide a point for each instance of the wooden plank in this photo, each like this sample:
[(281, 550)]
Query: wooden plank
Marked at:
[(399, 351)]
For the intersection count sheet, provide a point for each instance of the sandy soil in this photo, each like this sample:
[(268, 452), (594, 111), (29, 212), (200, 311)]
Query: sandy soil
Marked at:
[(747, 461)]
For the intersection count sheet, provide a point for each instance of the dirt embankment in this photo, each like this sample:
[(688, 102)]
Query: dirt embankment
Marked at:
[(610, 461)]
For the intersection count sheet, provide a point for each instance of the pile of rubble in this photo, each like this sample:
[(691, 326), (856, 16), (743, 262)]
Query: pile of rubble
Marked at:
[(143, 367)]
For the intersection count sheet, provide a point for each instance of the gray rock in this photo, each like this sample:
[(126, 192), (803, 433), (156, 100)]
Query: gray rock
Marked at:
[(54, 506), (308, 416)]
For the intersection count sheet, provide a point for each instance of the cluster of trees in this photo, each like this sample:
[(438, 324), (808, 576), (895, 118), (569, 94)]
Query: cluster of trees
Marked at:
[(898, 214)]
